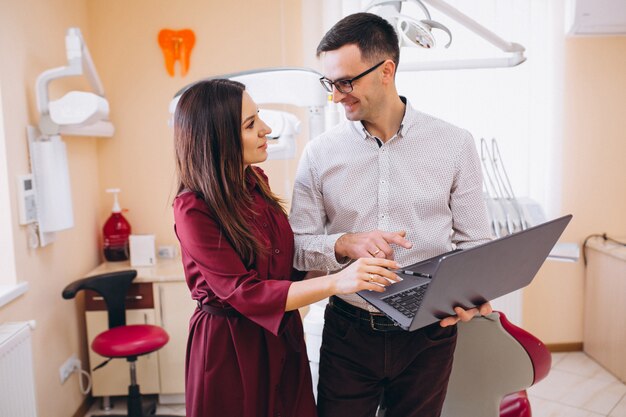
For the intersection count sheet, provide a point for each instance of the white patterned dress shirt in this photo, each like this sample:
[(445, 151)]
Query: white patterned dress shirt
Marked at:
[(425, 180)]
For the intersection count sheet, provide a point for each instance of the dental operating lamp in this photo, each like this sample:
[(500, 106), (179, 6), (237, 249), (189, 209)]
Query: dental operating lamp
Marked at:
[(411, 32), (77, 113), (414, 32)]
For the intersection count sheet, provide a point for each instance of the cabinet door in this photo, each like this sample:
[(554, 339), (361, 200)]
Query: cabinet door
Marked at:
[(114, 378), (175, 307)]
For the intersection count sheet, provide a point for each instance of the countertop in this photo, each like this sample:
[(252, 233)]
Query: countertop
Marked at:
[(165, 270)]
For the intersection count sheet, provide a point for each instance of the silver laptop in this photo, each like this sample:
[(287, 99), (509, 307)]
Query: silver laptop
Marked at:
[(467, 278)]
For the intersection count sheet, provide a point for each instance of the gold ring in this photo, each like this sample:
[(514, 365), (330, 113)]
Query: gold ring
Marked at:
[(371, 278), (376, 253)]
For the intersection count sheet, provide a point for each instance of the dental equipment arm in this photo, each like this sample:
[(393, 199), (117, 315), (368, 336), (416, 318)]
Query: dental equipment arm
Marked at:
[(77, 113), (515, 50), (409, 26)]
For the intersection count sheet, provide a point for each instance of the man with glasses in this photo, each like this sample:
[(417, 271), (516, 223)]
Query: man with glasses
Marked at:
[(388, 182)]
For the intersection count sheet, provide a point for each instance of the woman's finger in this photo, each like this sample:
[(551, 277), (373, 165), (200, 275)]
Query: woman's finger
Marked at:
[(385, 263), (377, 279), (385, 273), (374, 282)]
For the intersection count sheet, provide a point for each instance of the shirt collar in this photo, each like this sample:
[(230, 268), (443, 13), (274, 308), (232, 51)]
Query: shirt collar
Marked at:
[(407, 120)]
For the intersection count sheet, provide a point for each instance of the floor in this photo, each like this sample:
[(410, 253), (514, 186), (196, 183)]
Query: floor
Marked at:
[(119, 407), (575, 387)]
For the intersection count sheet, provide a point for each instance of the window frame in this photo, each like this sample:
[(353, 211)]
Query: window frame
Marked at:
[(10, 288)]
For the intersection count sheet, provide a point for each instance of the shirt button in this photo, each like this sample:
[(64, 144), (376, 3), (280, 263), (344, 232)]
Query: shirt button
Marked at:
[(276, 250), (264, 224)]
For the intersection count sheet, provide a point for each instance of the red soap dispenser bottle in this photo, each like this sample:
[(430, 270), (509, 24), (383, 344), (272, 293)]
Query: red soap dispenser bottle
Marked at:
[(115, 232)]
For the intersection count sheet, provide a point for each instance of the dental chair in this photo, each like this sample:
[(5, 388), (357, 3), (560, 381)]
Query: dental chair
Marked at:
[(494, 362), (122, 340)]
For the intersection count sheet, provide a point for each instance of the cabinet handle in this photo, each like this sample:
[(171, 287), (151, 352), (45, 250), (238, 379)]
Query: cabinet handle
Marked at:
[(162, 304), (128, 297)]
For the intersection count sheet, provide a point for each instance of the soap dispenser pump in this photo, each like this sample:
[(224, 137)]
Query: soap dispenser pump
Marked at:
[(116, 231)]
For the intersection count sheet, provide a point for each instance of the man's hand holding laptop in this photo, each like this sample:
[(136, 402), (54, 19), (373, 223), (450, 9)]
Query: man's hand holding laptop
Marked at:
[(377, 244)]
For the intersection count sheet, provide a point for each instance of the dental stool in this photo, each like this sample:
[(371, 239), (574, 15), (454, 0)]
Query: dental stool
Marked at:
[(494, 362), (122, 340)]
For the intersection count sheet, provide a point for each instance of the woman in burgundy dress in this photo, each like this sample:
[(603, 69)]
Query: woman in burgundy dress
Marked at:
[(245, 353)]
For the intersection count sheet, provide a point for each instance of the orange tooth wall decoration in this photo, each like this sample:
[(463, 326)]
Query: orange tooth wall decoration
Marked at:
[(176, 46)]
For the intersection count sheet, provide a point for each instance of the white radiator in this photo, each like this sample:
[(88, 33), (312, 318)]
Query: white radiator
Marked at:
[(511, 305), (17, 382)]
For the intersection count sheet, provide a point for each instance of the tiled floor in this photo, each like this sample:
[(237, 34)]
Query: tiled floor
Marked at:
[(575, 387), (578, 387)]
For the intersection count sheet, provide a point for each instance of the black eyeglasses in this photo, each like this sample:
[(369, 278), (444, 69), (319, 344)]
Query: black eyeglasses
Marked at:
[(345, 86)]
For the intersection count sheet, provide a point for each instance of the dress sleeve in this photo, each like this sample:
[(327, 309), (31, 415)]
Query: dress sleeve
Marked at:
[(260, 300)]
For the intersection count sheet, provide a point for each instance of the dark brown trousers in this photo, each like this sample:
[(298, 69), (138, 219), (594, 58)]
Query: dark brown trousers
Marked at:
[(359, 365)]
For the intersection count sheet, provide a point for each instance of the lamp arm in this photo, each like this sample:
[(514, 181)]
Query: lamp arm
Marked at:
[(397, 4), (41, 85), (503, 62), (475, 27), (77, 50)]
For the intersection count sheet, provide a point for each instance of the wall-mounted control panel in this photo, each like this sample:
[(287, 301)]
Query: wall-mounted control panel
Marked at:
[(26, 198)]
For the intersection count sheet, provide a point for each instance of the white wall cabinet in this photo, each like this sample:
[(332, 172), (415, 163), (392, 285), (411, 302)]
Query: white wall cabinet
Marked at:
[(174, 307), (158, 295), (604, 336)]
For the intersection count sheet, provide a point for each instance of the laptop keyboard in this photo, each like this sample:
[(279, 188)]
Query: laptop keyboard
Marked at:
[(408, 301)]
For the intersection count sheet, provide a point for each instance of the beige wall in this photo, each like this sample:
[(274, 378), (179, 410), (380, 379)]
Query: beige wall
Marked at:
[(32, 40), (122, 38), (121, 35), (594, 183), (231, 36)]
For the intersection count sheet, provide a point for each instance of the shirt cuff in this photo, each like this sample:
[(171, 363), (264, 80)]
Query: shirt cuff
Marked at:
[(329, 251)]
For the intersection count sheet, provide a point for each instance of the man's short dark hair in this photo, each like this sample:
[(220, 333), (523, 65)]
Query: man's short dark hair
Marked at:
[(374, 36)]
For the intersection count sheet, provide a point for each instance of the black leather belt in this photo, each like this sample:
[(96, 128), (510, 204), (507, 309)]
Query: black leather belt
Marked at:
[(376, 321), (219, 311)]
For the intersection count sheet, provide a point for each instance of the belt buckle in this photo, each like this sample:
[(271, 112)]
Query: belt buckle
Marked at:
[(372, 324)]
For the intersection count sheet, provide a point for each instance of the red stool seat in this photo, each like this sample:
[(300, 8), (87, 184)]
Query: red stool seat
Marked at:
[(515, 405), (129, 340)]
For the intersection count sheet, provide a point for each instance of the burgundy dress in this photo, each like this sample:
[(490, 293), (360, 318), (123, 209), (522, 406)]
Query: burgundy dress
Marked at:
[(253, 365)]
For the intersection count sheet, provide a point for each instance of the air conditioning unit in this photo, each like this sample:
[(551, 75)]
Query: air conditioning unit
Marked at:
[(595, 17)]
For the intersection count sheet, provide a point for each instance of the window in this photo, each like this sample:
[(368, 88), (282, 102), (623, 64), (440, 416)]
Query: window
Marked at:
[(9, 288), (517, 106)]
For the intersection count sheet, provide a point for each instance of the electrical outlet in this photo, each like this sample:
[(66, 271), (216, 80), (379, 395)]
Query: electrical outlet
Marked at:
[(69, 366), (167, 251)]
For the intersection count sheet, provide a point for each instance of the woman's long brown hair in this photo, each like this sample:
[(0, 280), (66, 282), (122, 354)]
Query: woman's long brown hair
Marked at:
[(209, 159)]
